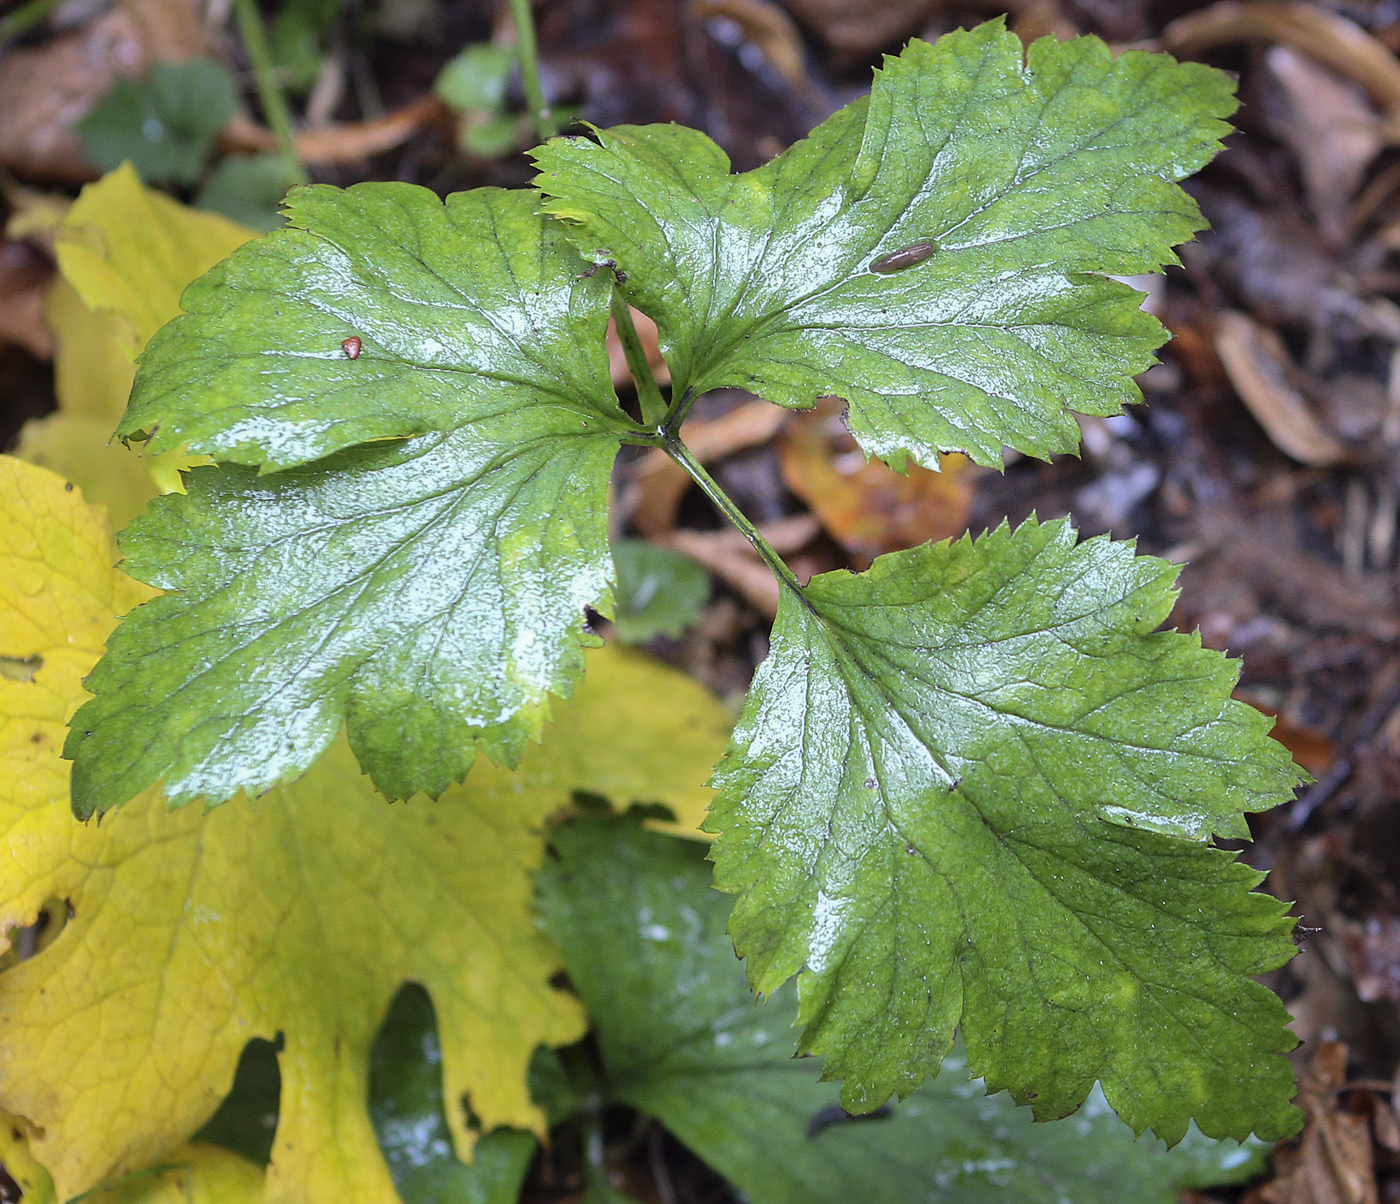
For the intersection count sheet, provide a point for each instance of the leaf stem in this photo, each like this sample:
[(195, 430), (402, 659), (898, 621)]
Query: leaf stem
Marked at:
[(526, 49), (725, 505), (274, 104), (648, 391), (680, 407)]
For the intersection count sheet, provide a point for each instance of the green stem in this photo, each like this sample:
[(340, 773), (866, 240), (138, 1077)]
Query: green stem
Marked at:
[(274, 105), (594, 1151), (682, 456), (526, 48), (680, 408), (648, 391)]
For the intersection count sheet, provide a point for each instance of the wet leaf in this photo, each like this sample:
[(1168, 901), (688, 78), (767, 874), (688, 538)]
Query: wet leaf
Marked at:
[(406, 1103), (300, 913), (132, 251), (428, 593), (935, 255), (974, 786), (644, 940)]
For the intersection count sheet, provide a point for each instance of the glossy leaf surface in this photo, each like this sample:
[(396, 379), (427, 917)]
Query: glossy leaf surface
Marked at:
[(975, 786), (643, 937), (1023, 174), (470, 315), (428, 593)]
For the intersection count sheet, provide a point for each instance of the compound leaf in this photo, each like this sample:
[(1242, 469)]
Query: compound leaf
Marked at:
[(429, 591), (301, 913), (973, 786), (642, 935), (926, 254)]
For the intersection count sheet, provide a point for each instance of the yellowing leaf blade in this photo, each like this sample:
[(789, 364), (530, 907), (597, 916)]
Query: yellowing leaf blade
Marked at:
[(297, 914)]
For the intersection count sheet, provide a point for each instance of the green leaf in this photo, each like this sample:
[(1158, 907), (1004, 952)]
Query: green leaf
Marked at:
[(164, 124), (974, 786), (475, 79), (1031, 179), (468, 312), (659, 591), (681, 1039), (406, 1104), (428, 592), (248, 189)]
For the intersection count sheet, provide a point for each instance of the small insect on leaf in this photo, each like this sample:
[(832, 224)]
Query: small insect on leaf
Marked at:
[(905, 257), (351, 347)]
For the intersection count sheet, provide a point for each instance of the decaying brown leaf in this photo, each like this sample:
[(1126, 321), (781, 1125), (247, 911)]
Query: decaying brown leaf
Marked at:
[(769, 28), (1325, 36), (1264, 376), (858, 27), (1333, 1164), (24, 280), (866, 507), (730, 557), (1331, 128), (347, 142)]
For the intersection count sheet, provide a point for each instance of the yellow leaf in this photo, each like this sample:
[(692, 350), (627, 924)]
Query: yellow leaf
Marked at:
[(132, 250), (194, 1174), (299, 913), (125, 255), (76, 447), (93, 365)]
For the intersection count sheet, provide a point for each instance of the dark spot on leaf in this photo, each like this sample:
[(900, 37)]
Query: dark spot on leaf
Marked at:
[(10, 1191), (910, 849), (1032, 1094), (870, 783), (67, 486)]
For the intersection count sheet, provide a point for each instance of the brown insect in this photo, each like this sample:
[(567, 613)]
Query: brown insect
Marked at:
[(351, 347), (905, 257)]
